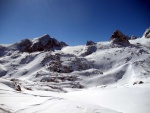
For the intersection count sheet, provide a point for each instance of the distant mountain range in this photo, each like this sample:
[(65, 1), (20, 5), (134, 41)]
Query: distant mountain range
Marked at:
[(46, 64)]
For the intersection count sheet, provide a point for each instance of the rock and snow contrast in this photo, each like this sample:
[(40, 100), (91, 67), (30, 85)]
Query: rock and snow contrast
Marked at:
[(44, 75)]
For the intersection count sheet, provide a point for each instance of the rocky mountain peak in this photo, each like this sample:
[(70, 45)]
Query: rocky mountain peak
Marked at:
[(42, 43), (118, 37), (44, 38)]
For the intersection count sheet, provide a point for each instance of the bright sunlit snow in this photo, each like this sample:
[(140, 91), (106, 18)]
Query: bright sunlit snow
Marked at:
[(102, 78)]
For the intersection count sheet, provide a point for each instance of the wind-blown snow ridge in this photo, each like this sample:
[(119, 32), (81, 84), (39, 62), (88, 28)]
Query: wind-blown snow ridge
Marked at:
[(91, 78)]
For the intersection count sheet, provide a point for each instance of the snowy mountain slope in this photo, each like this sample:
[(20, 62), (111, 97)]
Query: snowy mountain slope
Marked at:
[(84, 77), (45, 102)]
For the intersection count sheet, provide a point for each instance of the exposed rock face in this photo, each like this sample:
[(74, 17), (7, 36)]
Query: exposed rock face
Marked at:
[(57, 63), (40, 44), (90, 43), (119, 38), (147, 33), (25, 45), (89, 50), (18, 88)]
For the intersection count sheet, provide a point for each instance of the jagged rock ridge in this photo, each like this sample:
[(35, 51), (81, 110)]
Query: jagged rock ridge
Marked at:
[(40, 44)]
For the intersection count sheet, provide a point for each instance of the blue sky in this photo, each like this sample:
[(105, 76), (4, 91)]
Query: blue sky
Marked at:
[(72, 21)]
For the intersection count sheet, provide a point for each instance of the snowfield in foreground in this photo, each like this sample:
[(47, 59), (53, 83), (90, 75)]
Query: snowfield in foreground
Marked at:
[(93, 100), (103, 77)]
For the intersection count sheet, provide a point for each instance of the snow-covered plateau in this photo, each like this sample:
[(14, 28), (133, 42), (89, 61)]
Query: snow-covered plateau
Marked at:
[(44, 75)]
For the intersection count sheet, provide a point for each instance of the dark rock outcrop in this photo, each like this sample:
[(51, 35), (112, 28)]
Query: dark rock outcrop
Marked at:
[(55, 64), (25, 45), (119, 38), (18, 88), (147, 33), (90, 43), (89, 50), (40, 44)]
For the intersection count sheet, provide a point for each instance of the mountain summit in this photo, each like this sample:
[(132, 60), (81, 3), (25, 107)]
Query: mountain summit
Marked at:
[(40, 44)]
